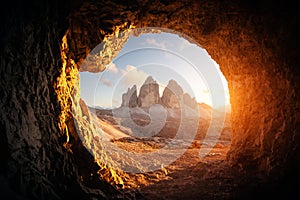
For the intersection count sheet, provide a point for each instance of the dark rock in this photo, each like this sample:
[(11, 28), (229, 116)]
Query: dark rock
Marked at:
[(256, 47)]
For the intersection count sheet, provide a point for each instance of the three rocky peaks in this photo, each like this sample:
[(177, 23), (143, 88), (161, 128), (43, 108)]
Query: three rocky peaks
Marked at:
[(173, 96)]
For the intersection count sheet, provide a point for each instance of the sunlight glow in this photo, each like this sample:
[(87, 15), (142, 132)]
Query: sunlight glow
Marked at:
[(164, 56)]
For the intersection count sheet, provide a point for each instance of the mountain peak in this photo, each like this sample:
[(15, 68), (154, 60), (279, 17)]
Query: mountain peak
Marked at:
[(175, 87), (149, 80), (173, 95)]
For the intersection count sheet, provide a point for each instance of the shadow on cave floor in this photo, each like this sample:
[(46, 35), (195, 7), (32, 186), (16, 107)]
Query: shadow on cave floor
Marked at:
[(191, 177), (210, 177)]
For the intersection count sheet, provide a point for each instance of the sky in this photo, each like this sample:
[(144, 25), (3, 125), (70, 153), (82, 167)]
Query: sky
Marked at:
[(164, 56)]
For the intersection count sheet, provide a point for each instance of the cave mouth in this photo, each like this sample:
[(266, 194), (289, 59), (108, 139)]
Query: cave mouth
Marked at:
[(255, 44), (162, 96)]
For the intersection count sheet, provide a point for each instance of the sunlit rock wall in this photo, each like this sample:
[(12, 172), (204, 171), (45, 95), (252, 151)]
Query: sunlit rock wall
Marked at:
[(255, 44), (34, 164)]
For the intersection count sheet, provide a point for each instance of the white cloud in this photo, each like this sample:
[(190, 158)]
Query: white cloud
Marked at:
[(112, 68), (106, 82), (161, 45), (130, 67), (133, 76), (184, 44), (153, 42)]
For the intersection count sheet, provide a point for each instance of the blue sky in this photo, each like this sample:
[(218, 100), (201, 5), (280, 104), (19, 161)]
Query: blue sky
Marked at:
[(164, 56)]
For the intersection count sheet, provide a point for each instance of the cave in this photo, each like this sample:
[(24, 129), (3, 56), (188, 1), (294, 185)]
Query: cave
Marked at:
[(256, 45)]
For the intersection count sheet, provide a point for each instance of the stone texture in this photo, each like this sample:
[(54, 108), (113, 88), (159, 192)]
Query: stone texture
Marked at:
[(34, 164), (189, 101), (130, 98), (172, 95), (149, 93), (256, 45)]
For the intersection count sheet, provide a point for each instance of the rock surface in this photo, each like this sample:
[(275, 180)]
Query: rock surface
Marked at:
[(189, 101), (185, 118), (130, 98), (255, 43), (149, 93), (172, 95)]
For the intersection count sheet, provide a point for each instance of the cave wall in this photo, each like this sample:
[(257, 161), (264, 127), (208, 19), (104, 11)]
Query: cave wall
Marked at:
[(33, 162), (255, 44)]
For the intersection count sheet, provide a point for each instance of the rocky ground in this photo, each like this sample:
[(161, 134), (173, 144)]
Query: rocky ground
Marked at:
[(173, 120), (189, 177), (193, 177)]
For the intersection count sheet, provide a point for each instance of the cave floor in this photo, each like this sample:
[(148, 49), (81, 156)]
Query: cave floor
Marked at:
[(189, 177)]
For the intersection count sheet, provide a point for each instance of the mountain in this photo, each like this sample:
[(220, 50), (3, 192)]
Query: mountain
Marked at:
[(174, 114), (130, 98), (149, 93), (173, 96)]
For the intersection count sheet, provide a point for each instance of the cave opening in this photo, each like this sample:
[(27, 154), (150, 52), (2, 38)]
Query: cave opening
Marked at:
[(162, 97), (43, 157), (251, 142)]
